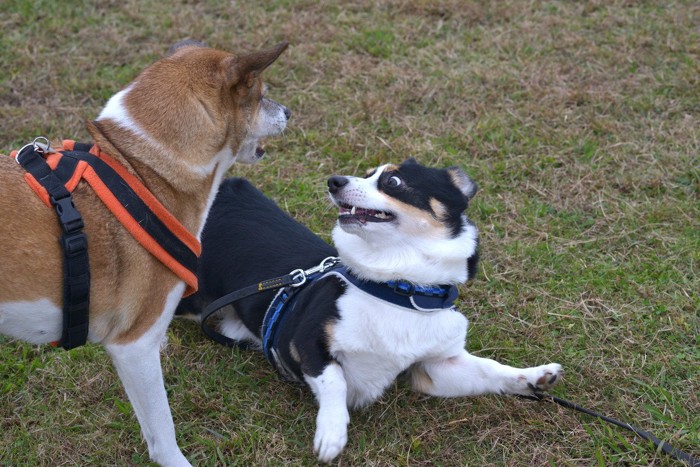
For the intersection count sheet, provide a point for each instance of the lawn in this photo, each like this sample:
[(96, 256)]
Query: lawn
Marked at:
[(580, 121)]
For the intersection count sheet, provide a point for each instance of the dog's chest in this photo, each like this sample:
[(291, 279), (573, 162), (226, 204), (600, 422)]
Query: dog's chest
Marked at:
[(375, 341)]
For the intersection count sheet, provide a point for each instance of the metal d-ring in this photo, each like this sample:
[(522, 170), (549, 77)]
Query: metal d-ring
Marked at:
[(42, 144), (298, 275)]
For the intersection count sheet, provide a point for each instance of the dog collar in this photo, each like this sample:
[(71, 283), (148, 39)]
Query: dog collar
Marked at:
[(403, 293)]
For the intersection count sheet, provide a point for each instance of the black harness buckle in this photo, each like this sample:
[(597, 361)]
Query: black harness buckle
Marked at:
[(68, 215)]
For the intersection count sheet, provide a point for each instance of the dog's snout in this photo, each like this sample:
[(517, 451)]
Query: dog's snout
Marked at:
[(287, 113), (336, 182)]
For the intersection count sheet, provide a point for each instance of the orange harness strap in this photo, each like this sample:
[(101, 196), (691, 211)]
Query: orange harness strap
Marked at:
[(148, 221)]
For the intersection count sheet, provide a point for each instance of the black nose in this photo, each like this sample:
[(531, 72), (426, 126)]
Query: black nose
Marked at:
[(336, 182), (287, 113)]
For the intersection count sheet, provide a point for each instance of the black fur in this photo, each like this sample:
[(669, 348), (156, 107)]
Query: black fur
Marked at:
[(247, 239), (421, 184)]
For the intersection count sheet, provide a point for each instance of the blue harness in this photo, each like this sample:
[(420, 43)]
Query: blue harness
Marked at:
[(400, 293)]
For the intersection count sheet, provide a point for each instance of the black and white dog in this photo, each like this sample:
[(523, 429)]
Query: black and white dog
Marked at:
[(404, 243)]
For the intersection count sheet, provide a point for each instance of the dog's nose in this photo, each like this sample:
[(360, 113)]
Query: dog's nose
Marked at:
[(336, 182), (287, 113)]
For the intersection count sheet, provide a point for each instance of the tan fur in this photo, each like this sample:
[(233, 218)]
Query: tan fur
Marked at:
[(192, 105), (438, 208), (418, 216), (294, 352), (420, 379)]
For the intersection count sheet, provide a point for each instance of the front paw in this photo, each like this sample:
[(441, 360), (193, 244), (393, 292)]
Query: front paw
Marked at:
[(542, 378), (331, 437)]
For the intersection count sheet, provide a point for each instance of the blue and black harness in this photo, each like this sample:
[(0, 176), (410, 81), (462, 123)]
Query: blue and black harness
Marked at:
[(401, 293)]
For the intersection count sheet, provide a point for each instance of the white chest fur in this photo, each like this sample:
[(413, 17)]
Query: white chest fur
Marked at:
[(374, 341)]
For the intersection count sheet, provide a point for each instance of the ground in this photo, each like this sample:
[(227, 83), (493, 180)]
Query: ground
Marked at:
[(578, 120)]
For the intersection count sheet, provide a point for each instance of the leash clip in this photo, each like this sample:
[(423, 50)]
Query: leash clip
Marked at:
[(299, 276)]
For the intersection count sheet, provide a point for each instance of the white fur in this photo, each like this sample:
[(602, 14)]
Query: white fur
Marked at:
[(139, 368), (375, 341), (405, 248), (37, 322), (271, 121), (231, 326), (393, 256), (116, 110), (333, 417)]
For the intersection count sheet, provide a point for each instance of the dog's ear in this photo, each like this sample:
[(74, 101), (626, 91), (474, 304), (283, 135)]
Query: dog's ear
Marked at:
[(410, 160), (246, 68), (184, 43), (461, 180)]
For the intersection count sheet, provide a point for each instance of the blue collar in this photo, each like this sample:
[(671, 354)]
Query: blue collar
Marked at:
[(404, 293)]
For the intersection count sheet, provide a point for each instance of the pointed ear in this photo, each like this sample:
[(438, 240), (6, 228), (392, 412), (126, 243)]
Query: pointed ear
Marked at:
[(410, 160), (462, 181), (246, 68)]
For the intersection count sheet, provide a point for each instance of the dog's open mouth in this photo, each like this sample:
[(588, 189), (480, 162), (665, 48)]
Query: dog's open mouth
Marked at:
[(259, 151), (349, 214)]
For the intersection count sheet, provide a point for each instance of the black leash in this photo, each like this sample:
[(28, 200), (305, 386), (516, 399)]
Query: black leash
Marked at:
[(295, 278), (665, 447)]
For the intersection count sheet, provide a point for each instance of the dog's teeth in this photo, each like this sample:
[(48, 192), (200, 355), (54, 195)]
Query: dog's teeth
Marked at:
[(352, 211)]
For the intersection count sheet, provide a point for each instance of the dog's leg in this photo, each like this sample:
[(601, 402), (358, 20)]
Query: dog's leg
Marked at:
[(231, 326), (139, 368), (333, 417), (467, 375)]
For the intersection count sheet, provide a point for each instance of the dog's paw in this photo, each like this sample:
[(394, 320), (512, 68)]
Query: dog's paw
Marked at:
[(330, 440), (543, 377)]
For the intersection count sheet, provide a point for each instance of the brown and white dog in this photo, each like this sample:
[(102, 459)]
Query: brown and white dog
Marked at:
[(178, 127)]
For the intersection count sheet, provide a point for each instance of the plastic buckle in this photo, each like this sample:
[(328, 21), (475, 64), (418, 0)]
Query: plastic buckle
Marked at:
[(70, 218), (401, 286), (75, 243)]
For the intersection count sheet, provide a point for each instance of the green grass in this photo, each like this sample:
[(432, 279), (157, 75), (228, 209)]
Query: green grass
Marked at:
[(579, 121)]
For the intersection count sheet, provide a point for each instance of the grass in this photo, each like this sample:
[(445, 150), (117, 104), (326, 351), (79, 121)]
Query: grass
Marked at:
[(579, 121)]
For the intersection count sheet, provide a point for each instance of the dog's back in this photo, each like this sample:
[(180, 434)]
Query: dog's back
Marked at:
[(255, 240)]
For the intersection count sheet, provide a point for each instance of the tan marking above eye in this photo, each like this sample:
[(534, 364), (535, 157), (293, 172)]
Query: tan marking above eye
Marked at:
[(438, 208)]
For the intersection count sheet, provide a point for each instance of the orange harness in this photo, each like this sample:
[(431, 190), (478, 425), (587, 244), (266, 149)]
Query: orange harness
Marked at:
[(148, 221)]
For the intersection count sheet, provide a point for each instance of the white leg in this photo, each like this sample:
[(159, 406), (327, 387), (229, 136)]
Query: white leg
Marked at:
[(467, 375), (333, 417), (138, 366), (231, 326)]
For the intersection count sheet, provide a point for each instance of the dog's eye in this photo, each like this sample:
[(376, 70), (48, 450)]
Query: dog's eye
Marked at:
[(394, 181)]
